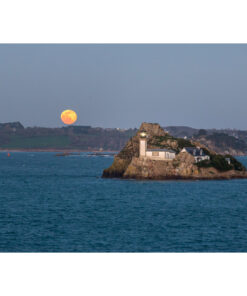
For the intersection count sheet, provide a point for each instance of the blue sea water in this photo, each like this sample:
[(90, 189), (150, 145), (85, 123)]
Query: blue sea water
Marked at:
[(61, 204)]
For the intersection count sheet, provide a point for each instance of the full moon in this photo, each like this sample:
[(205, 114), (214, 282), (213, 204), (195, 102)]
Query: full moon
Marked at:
[(68, 116)]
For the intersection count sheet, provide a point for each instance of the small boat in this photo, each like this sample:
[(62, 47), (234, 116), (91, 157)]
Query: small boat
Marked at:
[(102, 154), (62, 154)]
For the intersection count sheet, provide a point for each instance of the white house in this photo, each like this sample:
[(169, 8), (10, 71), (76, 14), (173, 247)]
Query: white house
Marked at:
[(155, 154), (197, 152)]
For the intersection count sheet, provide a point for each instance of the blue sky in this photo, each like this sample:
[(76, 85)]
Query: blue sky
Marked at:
[(202, 86)]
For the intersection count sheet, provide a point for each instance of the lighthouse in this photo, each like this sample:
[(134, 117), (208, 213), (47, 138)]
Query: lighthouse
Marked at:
[(143, 144), (154, 154)]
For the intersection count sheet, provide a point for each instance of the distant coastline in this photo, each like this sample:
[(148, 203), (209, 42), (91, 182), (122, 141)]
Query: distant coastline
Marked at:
[(72, 151), (57, 150), (75, 138)]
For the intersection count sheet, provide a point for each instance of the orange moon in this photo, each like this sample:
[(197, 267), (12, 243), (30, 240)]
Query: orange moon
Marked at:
[(68, 116)]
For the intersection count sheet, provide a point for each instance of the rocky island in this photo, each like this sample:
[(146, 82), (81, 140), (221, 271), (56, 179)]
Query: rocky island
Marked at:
[(154, 154)]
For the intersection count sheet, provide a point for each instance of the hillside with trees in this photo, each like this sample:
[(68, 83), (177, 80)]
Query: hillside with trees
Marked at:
[(14, 136)]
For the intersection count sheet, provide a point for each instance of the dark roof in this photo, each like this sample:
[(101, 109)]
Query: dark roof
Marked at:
[(166, 150), (195, 151)]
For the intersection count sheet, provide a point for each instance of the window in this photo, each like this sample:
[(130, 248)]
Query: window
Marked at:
[(155, 153)]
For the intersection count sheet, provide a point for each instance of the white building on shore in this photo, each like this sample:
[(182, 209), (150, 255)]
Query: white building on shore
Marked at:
[(155, 154)]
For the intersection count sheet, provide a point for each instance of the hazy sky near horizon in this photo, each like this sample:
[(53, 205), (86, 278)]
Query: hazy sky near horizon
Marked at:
[(123, 85)]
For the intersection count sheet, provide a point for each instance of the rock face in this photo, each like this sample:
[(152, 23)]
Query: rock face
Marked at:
[(127, 163)]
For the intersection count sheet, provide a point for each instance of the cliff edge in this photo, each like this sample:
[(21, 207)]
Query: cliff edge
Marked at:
[(128, 163)]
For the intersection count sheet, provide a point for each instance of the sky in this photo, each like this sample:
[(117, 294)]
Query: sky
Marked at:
[(123, 85)]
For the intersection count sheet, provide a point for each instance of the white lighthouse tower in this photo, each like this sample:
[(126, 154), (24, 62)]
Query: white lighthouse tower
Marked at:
[(143, 144)]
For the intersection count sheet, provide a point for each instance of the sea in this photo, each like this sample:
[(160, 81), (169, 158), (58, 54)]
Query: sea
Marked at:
[(61, 204)]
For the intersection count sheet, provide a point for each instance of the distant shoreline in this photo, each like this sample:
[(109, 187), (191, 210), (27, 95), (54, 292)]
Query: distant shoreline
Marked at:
[(56, 150), (71, 151)]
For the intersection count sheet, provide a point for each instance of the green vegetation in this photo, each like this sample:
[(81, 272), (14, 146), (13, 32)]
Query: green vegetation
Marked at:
[(206, 151), (159, 139), (181, 142), (220, 163), (236, 164), (184, 143), (165, 142), (17, 142), (15, 136), (217, 161)]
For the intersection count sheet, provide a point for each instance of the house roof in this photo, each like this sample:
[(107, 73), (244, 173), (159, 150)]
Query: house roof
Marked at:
[(195, 151), (164, 150)]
